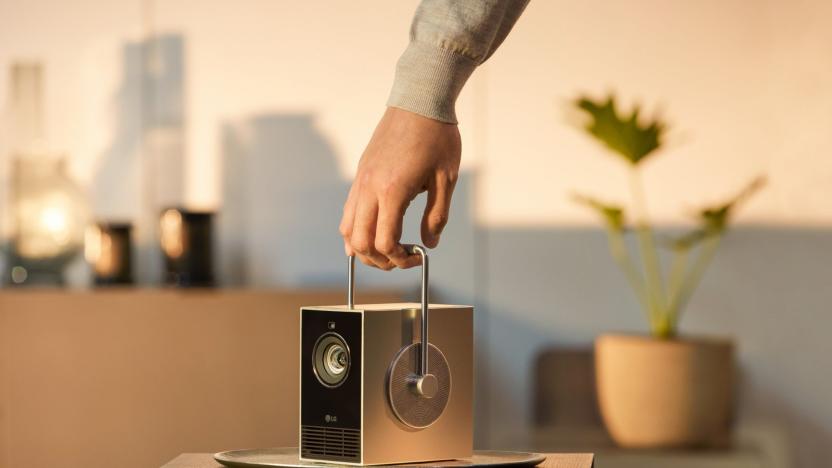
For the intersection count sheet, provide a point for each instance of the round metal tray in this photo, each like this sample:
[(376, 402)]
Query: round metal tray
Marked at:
[(287, 457)]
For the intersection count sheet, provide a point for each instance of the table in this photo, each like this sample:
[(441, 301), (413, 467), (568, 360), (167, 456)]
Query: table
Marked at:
[(755, 446), (553, 460)]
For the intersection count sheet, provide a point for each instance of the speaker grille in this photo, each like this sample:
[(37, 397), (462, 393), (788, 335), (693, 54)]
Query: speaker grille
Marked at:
[(416, 411), (330, 443)]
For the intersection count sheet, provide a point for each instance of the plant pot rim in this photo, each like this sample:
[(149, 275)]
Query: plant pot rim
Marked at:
[(695, 340)]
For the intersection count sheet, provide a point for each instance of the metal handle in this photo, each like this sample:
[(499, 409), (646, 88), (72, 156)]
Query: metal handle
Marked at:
[(412, 249)]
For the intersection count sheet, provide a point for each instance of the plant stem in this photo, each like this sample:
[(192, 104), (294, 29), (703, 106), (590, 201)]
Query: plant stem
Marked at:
[(649, 253), (621, 254), (694, 276), (677, 272)]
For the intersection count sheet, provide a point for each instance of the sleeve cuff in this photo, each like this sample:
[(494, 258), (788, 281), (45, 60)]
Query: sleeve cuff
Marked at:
[(428, 81)]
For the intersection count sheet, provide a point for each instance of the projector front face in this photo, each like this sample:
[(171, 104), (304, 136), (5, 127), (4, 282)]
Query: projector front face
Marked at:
[(330, 385), (347, 357)]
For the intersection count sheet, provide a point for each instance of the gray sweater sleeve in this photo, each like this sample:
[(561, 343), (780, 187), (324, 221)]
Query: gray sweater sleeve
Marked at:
[(448, 40)]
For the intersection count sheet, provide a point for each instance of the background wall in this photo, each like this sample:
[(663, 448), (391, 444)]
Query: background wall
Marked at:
[(262, 109)]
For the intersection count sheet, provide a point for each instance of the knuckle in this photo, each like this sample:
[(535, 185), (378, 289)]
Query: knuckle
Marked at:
[(365, 177), (386, 245), (390, 189), (345, 230), (361, 246), (438, 220)]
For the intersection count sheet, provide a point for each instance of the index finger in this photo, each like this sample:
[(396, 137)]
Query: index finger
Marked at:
[(389, 231)]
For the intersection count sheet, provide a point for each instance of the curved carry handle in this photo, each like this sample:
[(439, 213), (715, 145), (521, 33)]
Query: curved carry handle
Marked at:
[(412, 249)]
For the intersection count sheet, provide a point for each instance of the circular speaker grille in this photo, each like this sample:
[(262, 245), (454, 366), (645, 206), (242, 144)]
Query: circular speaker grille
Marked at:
[(412, 409)]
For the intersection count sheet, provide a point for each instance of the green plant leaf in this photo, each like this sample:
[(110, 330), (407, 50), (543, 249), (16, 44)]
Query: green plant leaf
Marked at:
[(613, 215), (625, 136), (715, 219)]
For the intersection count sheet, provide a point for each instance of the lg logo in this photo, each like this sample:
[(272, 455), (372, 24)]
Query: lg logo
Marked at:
[(330, 418)]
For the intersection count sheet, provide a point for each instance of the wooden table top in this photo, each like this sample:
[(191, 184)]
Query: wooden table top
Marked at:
[(553, 460)]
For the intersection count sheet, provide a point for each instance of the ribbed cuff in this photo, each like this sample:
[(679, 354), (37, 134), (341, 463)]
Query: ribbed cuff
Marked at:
[(428, 81)]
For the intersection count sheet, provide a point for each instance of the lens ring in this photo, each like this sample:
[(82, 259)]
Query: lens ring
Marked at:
[(331, 360), (334, 359)]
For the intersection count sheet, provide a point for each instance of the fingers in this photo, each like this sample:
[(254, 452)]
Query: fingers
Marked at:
[(437, 208), (389, 230), (372, 228), (362, 239)]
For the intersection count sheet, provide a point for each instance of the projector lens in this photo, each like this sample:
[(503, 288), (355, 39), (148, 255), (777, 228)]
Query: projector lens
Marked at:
[(335, 359), (331, 360)]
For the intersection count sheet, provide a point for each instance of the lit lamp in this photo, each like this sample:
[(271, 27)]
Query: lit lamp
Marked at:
[(49, 216), (187, 245), (48, 208), (107, 249)]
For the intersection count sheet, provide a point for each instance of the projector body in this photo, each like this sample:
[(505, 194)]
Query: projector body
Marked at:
[(357, 405)]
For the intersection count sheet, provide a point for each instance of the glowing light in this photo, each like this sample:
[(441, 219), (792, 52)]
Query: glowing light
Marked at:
[(171, 233), (48, 225), (54, 221), (92, 244)]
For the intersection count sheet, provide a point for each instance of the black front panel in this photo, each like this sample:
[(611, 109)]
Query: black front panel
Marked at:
[(330, 415)]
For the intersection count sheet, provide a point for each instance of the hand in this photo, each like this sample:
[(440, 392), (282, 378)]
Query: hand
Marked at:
[(406, 155)]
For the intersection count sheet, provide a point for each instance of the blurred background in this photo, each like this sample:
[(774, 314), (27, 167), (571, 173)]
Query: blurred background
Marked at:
[(254, 114)]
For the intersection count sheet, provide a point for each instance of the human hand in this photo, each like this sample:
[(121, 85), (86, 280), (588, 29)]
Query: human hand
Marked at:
[(407, 154)]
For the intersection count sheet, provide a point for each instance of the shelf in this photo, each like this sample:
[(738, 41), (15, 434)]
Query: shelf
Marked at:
[(133, 377)]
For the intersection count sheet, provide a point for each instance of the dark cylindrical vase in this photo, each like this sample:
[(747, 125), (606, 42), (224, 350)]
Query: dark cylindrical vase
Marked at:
[(108, 249), (187, 246)]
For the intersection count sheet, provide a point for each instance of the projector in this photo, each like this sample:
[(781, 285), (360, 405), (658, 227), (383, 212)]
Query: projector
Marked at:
[(379, 386)]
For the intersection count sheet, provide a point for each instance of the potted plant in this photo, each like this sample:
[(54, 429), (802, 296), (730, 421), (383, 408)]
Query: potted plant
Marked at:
[(661, 389)]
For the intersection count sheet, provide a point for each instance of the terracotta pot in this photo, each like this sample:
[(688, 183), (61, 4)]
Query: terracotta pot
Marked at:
[(665, 393)]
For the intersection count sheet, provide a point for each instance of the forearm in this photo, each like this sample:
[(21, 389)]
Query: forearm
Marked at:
[(448, 40)]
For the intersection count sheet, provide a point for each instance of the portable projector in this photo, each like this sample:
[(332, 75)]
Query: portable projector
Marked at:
[(374, 390)]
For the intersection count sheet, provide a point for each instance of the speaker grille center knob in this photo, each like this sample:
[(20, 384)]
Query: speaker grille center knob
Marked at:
[(418, 401), (425, 386)]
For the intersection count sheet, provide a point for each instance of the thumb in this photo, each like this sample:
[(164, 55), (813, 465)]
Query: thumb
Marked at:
[(437, 209)]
